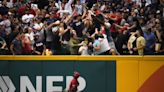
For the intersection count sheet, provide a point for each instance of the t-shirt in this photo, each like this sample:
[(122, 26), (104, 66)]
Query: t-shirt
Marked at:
[(49, 35), (22, 10), (140, 42), (39, 46), (7, 24), (31, 38), (118, 21), (136, 22), (150, 40), (79, 9), (56, 42), (103, 43), (90, 3), (26, 44), (68, 6), (41, 35), (78, 27), (27, 18), (4, 10), (17, 46), (83, 50)]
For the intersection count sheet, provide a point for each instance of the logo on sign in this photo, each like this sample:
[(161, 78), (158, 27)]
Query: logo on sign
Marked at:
[(7, 85)]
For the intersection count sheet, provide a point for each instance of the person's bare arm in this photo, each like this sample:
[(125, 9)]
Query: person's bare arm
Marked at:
[(84, 12), (4, 45), (129, 45), (158, 35), (118, 26), (12, 49), (68, 19), (62, 31), (96, 32), (66, 30), (44, 49), (37, 52), (40, 28), (133, 26), (97, 48), (53, 24)]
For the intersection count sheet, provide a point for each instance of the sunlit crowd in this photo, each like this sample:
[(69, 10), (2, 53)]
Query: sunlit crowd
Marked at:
[(81, 27)]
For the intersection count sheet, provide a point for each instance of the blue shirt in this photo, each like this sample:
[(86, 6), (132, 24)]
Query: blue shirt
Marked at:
[(150, 40), (82, 1)]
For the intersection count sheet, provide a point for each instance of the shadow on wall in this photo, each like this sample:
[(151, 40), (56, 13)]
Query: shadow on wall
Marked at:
[(155, 82)]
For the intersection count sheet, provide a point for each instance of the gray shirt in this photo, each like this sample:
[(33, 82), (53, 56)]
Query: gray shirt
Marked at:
[(49, 35), (41, 35)]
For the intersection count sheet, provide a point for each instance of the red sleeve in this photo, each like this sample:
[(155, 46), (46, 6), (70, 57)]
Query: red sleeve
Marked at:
[(119, 18), (21, 10), (32, 12)]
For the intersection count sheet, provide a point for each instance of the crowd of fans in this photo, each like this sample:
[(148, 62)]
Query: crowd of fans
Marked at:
[(81, 27)]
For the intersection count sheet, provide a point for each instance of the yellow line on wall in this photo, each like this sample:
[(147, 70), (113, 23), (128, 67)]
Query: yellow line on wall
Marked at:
[(70, 58)]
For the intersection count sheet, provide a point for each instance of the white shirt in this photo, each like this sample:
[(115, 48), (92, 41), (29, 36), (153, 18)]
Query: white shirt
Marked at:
[(67, 7), (83, 50), (27, 18), (104, 45), (139, 2), (38, 26), (79, 9), (7, 24)]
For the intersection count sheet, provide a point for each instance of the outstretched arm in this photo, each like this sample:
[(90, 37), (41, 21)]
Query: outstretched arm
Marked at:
[(12, 49), (53, 24), (118, 26)]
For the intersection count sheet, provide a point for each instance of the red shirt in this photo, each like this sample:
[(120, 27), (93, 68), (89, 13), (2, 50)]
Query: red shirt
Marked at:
[(118, 21), (75, 83), (128, 1), (103, 30), (26, 44), (124, 28), (23, 10), (56, 15)]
